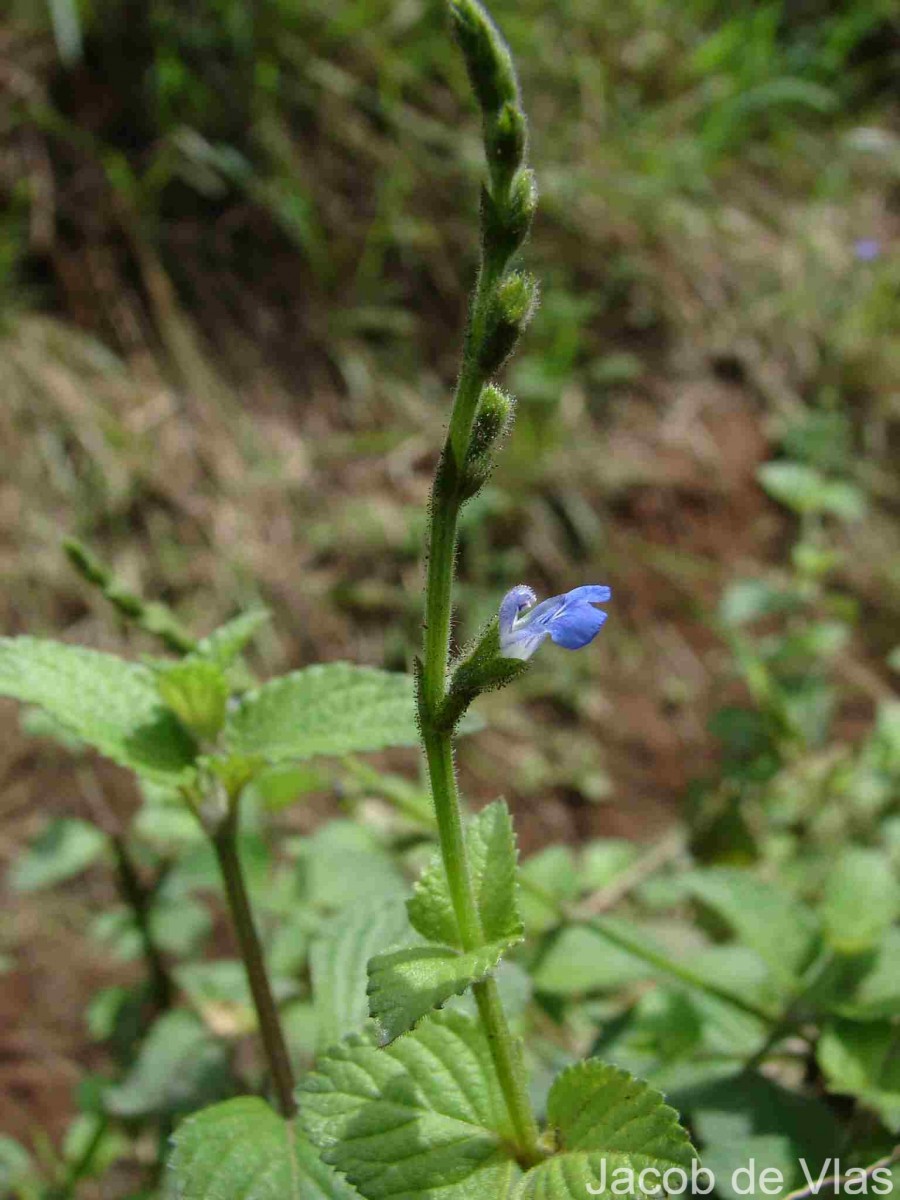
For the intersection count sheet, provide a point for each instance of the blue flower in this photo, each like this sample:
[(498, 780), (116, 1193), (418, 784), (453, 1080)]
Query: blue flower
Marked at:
[(570, 620), (867, 249)]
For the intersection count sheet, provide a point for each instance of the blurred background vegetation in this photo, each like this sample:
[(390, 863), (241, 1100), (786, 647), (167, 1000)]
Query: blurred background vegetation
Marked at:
[(235, 245)]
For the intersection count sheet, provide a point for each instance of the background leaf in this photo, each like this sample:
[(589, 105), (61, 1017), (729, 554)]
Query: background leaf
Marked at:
[(180, 1067), (111, 704), (747, 1116), (339, 959), (331, 708), (861, 901), (242, 1150), (862, 1059), (63, 849), (780, 929)]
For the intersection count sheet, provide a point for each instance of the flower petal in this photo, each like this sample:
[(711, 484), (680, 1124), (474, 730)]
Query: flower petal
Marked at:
[(517, 598), (577, 625), (522, 643), (590, 593)]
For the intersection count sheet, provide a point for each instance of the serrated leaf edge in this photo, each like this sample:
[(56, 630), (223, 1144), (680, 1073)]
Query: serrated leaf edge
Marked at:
[(591, 1066), (484, 966)]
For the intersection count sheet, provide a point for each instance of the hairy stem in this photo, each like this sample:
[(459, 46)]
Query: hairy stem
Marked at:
[(510, 1066), (505, 1050), (225, 842)]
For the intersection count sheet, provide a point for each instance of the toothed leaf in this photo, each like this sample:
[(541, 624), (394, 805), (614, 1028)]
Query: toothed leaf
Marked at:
[(423, 1119), (331, 708), (406, 984), (242, 1150), (491, 845), (605, 1120), (224, 644), (338, 962), (110, 703)]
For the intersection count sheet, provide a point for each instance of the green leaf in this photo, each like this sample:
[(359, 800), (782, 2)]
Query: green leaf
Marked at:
[(877, 990), (579, 961), (748, 600), (93, 1143), (62, 850), (595, 1106), (406, 984), (220, 993), (549, 880), (331, 708), (806, 490), (605, 1120), (344, 863), (338, 960), (197, 693), (491, 845), (180, 1067), (242, 1150), (661, 1029), (780, 929), (861, 901), (863, 1060), (747, 1116), (605, 860), (224, 644), (109, 703), (423, 1119), (15, 1166)]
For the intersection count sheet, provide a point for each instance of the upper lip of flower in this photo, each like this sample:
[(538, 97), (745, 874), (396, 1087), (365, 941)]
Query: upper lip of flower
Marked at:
[(570, 620)]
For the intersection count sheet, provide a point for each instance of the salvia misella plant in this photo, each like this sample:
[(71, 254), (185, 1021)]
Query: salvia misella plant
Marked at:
[(417, 1097), (391, 1062)]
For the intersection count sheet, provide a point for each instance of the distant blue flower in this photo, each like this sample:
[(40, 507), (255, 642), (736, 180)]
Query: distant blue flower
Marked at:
[(867, 249), (570, 620)]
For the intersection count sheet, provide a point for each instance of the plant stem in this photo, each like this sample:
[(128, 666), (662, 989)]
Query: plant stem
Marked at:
[(510, 1066), (139, 900), (226, 845), (505, 1050)]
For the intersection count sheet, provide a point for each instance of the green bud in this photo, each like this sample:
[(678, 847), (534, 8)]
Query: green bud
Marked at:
[(511, 308), (491, 422), (488, 60), (506, 220), (506, 139), (155, 618), (481, 668), (88, 566), (492, 419), (96, 573), (233, 771), (197, 693)]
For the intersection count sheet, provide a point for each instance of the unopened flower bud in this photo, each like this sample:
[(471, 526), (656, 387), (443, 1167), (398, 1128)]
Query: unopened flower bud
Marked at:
[(511, 308), (196, 691), (506, 217), (488, 61), (491, 422), (506, 137)]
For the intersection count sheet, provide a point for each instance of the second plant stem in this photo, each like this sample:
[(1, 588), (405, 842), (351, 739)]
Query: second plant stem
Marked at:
[(226, 843)]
